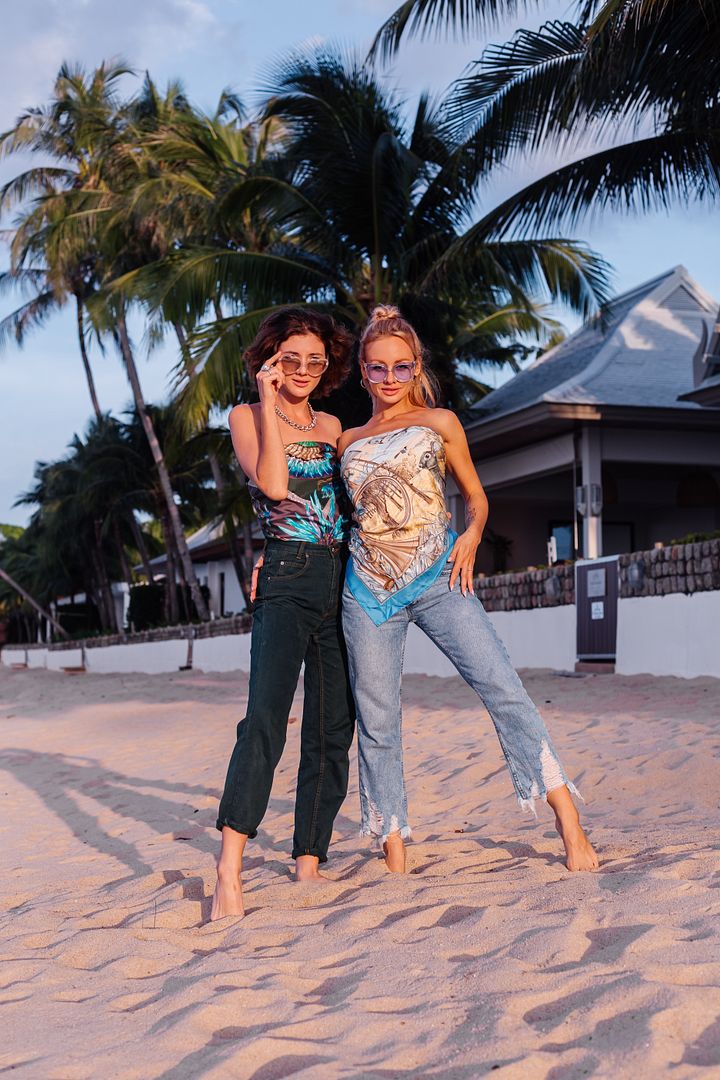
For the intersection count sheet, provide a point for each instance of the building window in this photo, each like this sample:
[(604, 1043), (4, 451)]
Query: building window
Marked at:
[(222, 593), (563, 533)]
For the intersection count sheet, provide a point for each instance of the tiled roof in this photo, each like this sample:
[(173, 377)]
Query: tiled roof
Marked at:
[(642, 354)]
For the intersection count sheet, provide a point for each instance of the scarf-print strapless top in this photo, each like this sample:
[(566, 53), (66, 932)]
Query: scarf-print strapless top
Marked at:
[(401, 537), (315, 508)]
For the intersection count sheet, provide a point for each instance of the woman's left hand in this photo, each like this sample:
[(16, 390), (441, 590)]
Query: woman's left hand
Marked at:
[(462, 557)]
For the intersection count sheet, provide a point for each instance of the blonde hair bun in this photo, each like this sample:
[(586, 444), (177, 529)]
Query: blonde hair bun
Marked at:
[(384, 311), (386, 321)]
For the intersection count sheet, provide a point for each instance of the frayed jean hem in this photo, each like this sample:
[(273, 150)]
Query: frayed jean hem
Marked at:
[(528, 805)]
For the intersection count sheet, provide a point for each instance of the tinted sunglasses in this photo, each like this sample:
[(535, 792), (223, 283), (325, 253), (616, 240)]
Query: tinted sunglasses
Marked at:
[(377, 373), (315, 366)]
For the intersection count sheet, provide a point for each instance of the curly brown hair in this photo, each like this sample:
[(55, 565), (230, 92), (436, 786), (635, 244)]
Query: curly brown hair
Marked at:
[(283, 323)]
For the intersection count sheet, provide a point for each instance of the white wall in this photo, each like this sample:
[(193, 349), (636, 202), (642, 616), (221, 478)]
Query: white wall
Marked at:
[(231, 652), (149, 657), (541, 638), (61, 658), (657, 635), (669, 635)]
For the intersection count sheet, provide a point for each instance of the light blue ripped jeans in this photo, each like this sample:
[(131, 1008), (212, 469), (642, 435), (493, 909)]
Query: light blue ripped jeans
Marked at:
[(460, 627)]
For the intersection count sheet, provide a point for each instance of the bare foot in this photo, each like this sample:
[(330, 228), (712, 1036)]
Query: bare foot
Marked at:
[(228, 897), (394, 848), (306, 869), (578, 849)]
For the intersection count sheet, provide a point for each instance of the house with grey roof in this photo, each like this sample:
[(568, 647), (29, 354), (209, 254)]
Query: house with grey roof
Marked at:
[(610, 441)]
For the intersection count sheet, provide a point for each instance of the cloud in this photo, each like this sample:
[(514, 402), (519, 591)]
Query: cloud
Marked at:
[(170, 37)]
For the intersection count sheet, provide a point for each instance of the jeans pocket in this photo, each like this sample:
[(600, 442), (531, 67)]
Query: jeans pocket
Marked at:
[(288, 568)]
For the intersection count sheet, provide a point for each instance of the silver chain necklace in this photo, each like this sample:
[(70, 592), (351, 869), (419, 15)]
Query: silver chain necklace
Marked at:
[(293, 423)]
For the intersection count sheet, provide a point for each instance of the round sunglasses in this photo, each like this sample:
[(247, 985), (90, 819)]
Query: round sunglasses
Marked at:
[(315, 366), (402, 372)]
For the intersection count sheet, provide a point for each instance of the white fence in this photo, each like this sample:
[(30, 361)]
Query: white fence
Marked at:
[(657, 635)]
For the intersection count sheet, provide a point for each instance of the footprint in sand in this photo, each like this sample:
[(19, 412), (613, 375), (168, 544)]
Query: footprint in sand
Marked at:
[(131, 1002), (37, 941), (138, 967), (75, 997)]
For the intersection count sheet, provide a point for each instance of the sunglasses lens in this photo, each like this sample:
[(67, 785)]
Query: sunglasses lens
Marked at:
[(377, 373), (291, 365)]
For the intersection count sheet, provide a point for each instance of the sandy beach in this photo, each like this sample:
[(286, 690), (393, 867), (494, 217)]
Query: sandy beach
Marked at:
[(489, 957)]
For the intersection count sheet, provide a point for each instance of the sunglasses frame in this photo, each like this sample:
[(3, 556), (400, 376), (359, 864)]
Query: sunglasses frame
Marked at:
[(388, 371), (293, 360)]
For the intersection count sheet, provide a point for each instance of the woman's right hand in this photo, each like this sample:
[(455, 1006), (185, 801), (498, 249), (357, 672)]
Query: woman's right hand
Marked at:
[(254, 579), (269, 379)]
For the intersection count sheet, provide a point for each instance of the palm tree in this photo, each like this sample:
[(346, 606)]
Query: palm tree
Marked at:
[(72, 130), (86, 128), (640, 77), (359, 206)]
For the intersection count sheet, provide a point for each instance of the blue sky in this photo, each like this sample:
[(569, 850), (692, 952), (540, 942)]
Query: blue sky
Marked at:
[(212, 44)]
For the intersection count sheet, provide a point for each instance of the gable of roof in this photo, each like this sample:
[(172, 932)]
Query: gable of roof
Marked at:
[(640, 353)]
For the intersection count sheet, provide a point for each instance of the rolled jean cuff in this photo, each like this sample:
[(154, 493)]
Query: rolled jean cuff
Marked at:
[(321, 855), (221, 823)]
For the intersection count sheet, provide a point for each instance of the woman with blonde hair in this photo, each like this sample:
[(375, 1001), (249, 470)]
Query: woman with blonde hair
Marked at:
[(406, 566)]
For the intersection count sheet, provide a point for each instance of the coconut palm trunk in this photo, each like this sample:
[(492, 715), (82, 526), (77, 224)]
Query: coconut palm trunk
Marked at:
[(33, 603), (231, 530), (80, 313), (163, 474), (220, 486), (142, 547), (172, 608)]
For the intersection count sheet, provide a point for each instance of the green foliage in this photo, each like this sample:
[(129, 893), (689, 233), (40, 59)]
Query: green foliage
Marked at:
[(697, 537), (638, 79), (11, 532)]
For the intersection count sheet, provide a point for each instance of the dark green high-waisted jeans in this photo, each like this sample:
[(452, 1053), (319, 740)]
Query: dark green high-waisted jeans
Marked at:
[(296, 619)]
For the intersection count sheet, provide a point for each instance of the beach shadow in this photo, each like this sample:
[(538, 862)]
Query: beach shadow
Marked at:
[(224, 1043), (60, 779), (606, 946), (704, 1051)]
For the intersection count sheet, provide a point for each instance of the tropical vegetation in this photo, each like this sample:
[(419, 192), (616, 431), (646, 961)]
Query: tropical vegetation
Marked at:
[(143, 211)]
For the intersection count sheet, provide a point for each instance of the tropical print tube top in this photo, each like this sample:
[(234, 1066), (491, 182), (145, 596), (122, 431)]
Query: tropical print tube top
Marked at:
[(315, 508), (400, 538)]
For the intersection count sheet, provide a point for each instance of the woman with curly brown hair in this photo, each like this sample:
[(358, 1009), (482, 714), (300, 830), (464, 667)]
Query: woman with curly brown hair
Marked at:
[(288, 453)]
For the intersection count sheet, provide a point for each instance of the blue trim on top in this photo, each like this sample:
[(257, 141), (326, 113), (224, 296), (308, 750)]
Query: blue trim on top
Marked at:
[(381, 612)]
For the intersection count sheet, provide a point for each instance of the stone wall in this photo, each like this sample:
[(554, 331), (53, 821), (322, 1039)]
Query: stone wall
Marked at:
[(678, 568), (529, 589), (237, 624), (681, 568)]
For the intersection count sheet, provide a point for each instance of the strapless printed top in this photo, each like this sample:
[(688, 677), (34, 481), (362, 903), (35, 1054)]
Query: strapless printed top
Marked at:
[(315, 508), (400, 538)]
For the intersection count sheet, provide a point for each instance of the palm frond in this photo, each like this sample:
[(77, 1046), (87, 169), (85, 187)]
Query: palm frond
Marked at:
[(424, 18), (518, 93), (646, 174)]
